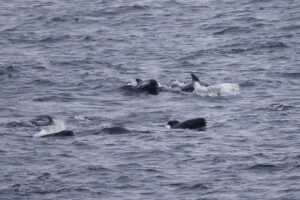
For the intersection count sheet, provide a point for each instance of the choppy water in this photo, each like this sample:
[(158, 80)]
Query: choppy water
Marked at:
[(69, 59)]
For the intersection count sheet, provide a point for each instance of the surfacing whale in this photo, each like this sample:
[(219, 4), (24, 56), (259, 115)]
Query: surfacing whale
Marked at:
[(190, 87), (148, 86), (60, 134), (196, 123)]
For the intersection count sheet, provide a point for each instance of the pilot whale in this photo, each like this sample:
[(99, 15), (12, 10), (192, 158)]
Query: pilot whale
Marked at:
[(148, 86), (60, 134), (196, 123), (190, 87)]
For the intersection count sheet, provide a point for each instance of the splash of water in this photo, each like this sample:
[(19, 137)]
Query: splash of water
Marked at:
[(132, 83), (59, 125), (223, 89), (79, 117)]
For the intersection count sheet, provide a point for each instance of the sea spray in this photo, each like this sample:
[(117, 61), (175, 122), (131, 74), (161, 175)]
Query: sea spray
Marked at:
[(58, 126)]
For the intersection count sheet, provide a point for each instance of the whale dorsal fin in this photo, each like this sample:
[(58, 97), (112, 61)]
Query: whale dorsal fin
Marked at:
[(138, 81), (195, 78)]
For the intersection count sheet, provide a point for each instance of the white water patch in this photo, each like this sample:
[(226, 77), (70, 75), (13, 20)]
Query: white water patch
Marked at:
[(132, 83), (59, 125), (79, 117), (175, 86), (223, 89), (106, 125)]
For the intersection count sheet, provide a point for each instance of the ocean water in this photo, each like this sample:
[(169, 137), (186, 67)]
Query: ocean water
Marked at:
[(70, 58)]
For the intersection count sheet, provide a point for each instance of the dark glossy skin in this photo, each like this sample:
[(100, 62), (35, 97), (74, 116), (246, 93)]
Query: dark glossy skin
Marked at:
[(149, 86), (60, 134), (189, 124), (190, 87)]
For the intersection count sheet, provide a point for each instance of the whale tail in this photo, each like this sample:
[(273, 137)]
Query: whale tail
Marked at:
[(195, 78)]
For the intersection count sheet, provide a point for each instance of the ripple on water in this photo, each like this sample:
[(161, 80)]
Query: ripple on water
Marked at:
[(99, 168), (262, 168), (234, 30)]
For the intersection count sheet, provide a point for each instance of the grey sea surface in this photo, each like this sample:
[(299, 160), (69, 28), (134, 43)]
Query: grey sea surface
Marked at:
[(69, 59)]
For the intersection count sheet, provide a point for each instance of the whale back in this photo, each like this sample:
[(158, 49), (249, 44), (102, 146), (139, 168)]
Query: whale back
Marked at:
[(173, 123), (192, 123), (188, 87), (60, 134), (149, 86)]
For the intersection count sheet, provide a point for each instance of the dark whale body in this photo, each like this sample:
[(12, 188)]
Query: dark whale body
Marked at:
[(60, 134), (148, 86), (196, 123), (190, 87)]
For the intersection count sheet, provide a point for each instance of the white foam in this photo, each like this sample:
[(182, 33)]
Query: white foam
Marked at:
[(223, 89), (132, 83), (59, 125), (176, 84), (79, 117)]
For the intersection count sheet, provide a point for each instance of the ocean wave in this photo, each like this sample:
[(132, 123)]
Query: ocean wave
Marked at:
[(43, 82), (53, 39), (99, 168), (59, 98), (9, 71), (276, 107), (264, 167), (234, 30), (118, 10), (18, 124), (196, 186)]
